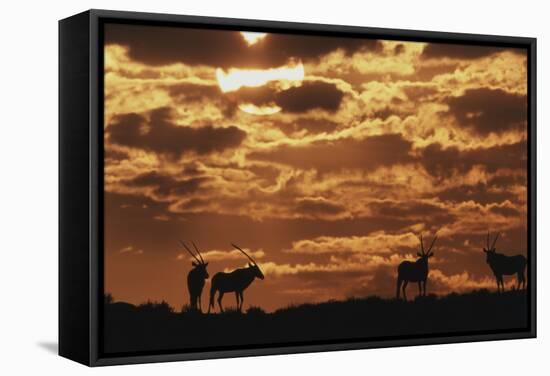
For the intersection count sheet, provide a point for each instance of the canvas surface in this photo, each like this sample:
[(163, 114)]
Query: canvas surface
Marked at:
[(343, 168)]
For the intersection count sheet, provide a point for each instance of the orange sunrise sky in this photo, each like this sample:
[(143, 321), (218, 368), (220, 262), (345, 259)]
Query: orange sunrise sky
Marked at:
[(323, 157)]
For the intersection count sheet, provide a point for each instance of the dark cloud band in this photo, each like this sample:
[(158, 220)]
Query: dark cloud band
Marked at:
[(367, 154), (487, 111), (462, 52), (155, 45), (160, 134)]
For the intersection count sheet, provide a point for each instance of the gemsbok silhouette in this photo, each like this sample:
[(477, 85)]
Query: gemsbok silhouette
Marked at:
[(236, 281), (417, 271), (196, 278), (502, 265)]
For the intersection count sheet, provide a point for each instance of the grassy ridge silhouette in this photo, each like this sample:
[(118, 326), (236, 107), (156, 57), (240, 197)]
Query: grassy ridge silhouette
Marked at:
[(155, 326)]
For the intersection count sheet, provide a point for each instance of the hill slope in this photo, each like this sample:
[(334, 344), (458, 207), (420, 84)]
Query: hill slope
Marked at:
[(154, 327)]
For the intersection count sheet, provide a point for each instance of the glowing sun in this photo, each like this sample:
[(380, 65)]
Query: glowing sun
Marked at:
[(236, 78), (252, 37)]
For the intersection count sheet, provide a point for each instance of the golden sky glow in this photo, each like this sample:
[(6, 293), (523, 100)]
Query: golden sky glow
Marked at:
[(252, 37), (259, 110), (323, 157)]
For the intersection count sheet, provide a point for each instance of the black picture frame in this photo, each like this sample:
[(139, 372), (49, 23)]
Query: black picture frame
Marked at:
[(81, 181)]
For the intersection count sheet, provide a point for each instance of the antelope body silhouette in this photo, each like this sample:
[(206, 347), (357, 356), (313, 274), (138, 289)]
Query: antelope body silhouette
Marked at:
[(502, 265), (236, 281), (416, 271), (196, 278)]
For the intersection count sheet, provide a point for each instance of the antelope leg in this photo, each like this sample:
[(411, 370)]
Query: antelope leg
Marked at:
[(220, 297), (242, 300)]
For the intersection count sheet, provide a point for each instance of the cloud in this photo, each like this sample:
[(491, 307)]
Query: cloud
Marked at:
[(459, 51), (368, 153), (420, 92), (114, 156), (336, 269), (206, 99), (381, 282), (309, 96), (485, 111), (280, 47), (318, 207), (130, 219), (416, 209), (443, 162), (310, 125), (190, 92), (375, 243), (154, 45), (481, 193), (164, 185), (218, 255), (283, 269), (267, 174), (504, 181), (159, 134), (505, 209), (459, 282)]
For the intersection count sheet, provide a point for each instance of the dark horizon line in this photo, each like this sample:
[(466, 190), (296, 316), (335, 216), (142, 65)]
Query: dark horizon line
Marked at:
[(186, 307)]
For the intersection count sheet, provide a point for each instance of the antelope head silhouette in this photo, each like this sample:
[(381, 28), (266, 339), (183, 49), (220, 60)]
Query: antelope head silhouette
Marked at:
[(490, 250)]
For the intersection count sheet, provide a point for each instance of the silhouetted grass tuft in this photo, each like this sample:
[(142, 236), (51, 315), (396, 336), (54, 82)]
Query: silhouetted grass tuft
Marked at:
[(186, 309), (161, 307), (254, 311)]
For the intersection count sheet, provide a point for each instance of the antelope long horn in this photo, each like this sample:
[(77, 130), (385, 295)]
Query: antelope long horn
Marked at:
[(198, 252), (191, 253), (495, 241), (246, 254), (431, 245)]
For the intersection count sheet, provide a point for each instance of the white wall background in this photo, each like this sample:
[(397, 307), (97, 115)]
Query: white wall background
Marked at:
[(28, 187)]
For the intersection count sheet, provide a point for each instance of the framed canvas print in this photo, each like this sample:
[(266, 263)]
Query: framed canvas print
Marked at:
[(238, 187)]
